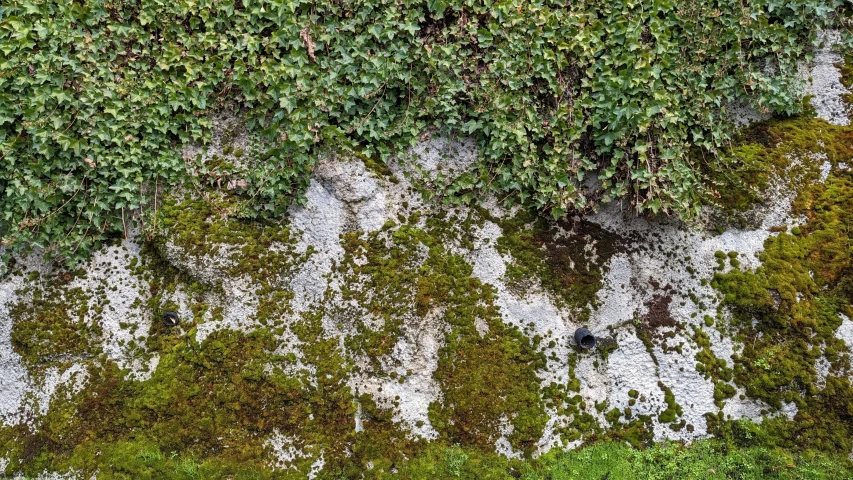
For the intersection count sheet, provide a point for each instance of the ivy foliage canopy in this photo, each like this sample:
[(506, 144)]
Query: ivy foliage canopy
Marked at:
[(98, 97)]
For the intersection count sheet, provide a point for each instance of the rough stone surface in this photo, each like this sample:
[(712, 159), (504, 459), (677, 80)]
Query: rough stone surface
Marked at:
[(825, 86), (658, 270), (14, 381), (845, 331)]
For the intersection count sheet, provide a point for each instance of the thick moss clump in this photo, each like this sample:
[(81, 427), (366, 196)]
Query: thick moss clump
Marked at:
[(673, 409), (786, 312), (211, 227), (713, 368), (378, 285), (743, 176), (487, 378)]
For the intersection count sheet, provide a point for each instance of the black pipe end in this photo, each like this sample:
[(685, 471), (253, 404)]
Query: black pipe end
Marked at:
[(170, 319), (584, 338)]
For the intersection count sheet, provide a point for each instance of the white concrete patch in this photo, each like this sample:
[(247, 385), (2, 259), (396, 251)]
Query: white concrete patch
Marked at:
[(691, 389), (439, 155), (789, 410), (320, 222), (619, 301), (414, 360), (825, 86), (14, 380), (122, 317), (748, 408), (822, 367), (74, 376), (845, 331), (284, 450), (239, 305), (502, 445), (743, 115), (351, 183), (317, 466), (825, 169), (629, 367)]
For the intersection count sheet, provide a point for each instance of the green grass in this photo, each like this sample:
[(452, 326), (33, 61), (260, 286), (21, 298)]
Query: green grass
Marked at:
[(705, 459)]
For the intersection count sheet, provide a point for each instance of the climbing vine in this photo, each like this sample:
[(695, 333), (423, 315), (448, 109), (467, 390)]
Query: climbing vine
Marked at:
[(98, 98)]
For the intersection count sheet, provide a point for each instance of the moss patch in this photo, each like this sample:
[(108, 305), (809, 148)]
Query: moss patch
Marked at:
[(558, 255), (787, 311), (208, 227), (51, 326), (407, 272), (54, 325), (742, 177)]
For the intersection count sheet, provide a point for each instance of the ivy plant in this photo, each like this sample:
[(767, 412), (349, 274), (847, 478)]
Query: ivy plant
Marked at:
[(571, 103)]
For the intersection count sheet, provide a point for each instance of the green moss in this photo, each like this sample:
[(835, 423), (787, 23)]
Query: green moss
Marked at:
[(556, 254), (51, 325), (403, 272), (787, 310), (739, 180), (743, 176), (487, 378), (378, 285), (212, 226), (210, 402), (713, 368), (613, 416), (375, 165), (332, 404), (673, 409)]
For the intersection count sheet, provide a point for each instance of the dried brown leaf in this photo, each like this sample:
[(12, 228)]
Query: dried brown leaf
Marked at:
[(305, 35)]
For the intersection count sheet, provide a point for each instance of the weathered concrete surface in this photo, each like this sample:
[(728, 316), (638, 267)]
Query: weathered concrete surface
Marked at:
[(658, 258)]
